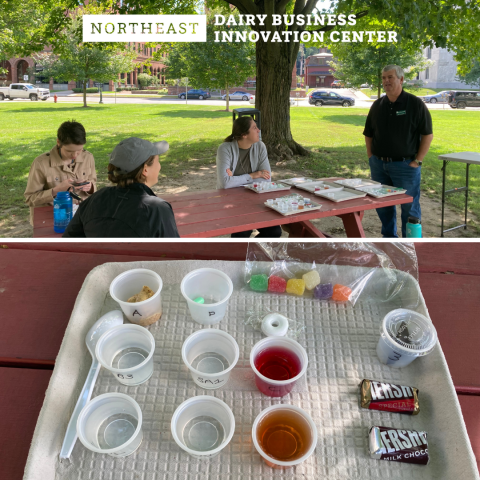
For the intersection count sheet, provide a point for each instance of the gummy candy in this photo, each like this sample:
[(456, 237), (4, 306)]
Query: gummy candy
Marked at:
[(323, 291), (200, 300), (259, 283), (276, 284), (311, 279), (296, 286), (341, 293)]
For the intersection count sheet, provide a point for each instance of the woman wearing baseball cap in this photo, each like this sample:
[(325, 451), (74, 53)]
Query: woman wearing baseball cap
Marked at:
[(129, 209)]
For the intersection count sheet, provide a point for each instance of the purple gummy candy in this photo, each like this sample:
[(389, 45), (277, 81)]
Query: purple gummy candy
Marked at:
[(323, 291)]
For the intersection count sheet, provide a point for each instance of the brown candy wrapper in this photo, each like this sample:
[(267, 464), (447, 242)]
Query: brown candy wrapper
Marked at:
[(388, 397), (396, 445)]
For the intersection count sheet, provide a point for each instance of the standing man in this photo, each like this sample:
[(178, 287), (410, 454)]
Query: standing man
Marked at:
[(398, 133), (66, 167)]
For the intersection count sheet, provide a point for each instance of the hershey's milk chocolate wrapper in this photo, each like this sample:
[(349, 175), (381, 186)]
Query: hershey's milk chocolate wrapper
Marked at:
[(397, 445), (389, 397)]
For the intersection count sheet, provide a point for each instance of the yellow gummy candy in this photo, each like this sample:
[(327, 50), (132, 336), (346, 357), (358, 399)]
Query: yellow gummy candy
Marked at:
[(296, 286), (311, 279)]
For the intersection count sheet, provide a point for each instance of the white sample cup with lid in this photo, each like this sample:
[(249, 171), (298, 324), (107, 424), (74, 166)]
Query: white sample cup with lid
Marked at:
[(404, 336), (210, 355), (130, 283), (284, 435), (213, 287), (127, 352), (111, 423), (203, 426)]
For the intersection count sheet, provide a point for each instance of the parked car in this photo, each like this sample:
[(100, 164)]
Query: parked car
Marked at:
[(24, 90), (440, 97), (200, 94), (459, 99), (252, 100), (365, 85), (337, 84), (239, 95), (322, 97)]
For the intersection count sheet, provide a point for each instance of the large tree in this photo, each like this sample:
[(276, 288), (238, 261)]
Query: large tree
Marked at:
[(212, 64), (472, 77), (357, 63), (81, 62)]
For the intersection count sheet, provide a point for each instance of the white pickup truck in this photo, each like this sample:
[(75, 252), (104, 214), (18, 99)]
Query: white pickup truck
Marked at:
[(24, 90)]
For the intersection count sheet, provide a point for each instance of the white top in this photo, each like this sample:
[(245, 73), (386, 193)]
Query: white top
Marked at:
[(463, 157)]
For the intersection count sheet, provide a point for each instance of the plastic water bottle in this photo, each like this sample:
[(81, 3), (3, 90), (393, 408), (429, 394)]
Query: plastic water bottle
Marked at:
[(62, 211), (414, 228)]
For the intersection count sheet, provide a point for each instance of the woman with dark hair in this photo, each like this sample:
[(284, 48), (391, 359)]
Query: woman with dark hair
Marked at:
[(130, 208), (67, 166), (241, 159)]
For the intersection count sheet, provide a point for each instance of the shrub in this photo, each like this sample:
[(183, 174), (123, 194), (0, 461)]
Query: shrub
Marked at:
[(89, 90)]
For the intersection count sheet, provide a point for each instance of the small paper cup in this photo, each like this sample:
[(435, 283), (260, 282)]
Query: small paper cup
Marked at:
[(127, 352), (203, 426), (131, 282), (212, 285), (297, 422), (214, 354), (111, 423), (278, 388)]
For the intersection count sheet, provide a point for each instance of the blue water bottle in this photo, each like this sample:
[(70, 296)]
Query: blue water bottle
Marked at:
[(62, 211), (414, 228)]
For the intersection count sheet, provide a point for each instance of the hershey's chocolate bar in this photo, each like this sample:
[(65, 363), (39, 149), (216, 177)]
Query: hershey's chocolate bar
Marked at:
[(396, 445), (388, 397)]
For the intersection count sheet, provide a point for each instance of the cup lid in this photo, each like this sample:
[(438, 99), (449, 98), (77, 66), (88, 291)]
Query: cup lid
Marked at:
[(409, 331)]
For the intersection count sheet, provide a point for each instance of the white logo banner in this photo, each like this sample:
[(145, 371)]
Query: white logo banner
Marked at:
[(145, 28)]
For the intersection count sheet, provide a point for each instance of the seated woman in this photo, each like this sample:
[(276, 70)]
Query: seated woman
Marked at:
[(241, 159), (129, 209), (67, 166)]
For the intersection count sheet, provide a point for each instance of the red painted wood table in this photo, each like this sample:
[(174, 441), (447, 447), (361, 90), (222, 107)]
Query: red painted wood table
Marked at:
[(212, 213)]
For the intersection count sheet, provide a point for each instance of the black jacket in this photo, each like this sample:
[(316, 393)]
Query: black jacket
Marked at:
[(115, 212)]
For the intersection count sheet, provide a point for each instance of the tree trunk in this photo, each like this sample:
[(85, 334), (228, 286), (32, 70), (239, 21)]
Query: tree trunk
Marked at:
[(227, 98), (85, 93), (274, 78)]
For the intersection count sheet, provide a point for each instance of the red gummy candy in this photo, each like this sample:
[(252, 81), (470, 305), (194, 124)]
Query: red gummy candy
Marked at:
[(341, 293), (277, 284)]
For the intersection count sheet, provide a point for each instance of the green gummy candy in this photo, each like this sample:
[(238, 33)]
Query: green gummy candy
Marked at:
[(199, 300), (259, 283)]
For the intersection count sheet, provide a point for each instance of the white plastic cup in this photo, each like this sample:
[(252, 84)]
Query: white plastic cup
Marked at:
[(295, 418), (203, 426), (278, 388), (214, 354), (127, 352), (212, 285), (404, 336), (111, 423), (131, 282)]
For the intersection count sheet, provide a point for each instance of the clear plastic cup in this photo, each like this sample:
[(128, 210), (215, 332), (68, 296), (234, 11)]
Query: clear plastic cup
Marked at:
[(214, 286), (127, 352), (131, 282), (270, 201), (210, 355), (404, 336), (284, 435), (203, 426), (279, 357), (111, 423)]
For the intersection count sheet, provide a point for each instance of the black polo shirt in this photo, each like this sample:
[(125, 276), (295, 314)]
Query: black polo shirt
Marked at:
[(396, 128)]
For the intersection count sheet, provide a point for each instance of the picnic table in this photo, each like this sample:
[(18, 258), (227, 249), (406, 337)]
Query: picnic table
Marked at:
[(210, 213), (39, 283)]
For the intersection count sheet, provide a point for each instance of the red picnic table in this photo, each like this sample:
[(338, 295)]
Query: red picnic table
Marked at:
[(210, 213), (39, 283)]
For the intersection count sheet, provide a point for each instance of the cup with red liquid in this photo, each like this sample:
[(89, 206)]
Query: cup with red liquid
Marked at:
[(278, 363)]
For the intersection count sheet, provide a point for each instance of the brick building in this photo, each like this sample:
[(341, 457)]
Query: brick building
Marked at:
[(17, 68), (317, 71)]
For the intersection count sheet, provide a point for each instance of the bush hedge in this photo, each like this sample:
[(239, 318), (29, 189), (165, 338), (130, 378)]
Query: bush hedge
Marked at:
[(89, 90)]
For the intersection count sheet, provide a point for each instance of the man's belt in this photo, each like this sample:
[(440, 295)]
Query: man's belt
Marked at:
[(396, 159)]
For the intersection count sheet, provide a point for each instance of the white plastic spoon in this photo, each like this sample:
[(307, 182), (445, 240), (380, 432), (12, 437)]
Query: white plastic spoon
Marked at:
[(108, 321)]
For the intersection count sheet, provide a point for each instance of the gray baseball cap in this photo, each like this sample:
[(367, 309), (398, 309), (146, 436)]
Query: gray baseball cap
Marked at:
[(132, 152)]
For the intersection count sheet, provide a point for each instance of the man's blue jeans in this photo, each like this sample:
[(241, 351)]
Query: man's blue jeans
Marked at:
[(397, 174)]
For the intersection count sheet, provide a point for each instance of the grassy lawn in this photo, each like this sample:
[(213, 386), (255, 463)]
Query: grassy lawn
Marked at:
[(334, 136)]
